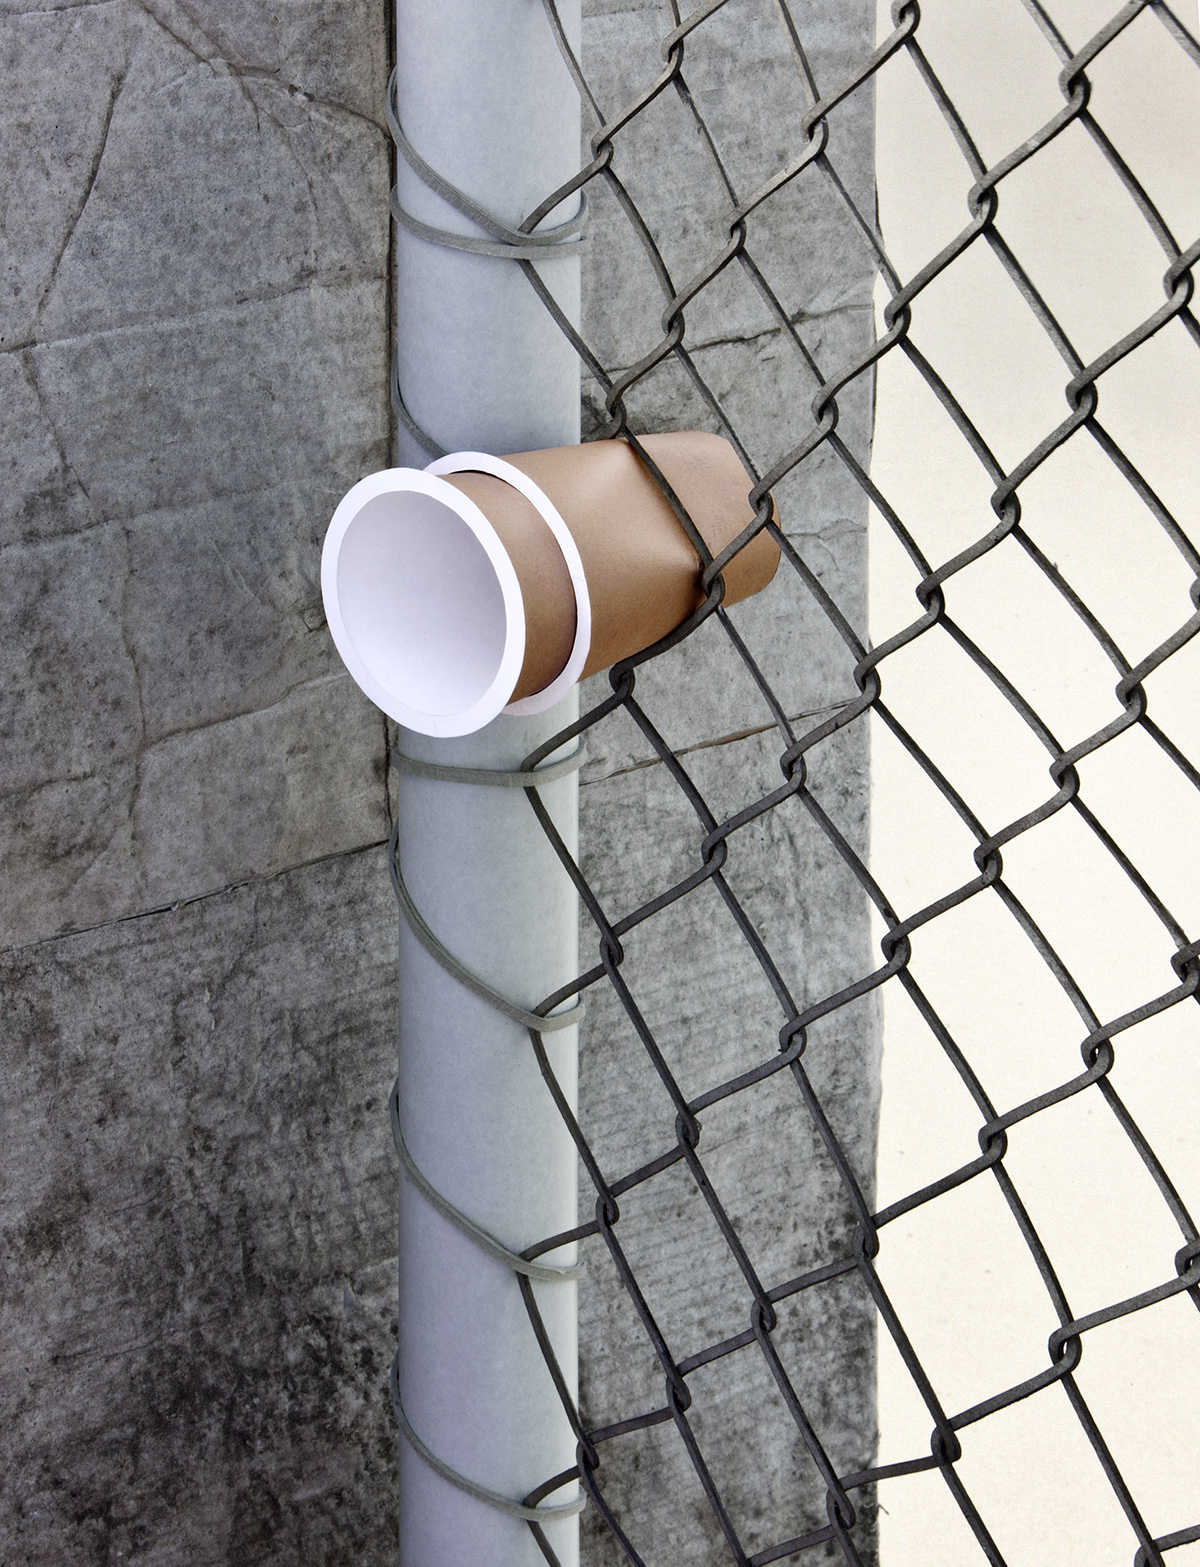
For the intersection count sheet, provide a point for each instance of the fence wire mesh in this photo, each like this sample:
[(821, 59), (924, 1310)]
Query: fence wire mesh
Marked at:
[(806, 751)]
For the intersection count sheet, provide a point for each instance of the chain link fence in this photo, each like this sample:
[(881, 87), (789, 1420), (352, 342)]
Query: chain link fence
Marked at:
[(747, 1312)]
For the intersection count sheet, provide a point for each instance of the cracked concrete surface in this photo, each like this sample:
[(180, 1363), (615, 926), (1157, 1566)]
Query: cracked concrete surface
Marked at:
[(197, 1225), (200, 1275), (204, 181), (197, 1221)]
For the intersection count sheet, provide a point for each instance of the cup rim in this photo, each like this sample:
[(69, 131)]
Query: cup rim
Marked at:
[(400, 481)]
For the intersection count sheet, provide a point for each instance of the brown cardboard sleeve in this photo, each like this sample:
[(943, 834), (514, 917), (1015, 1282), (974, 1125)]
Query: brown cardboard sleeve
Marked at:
[(642, 572)]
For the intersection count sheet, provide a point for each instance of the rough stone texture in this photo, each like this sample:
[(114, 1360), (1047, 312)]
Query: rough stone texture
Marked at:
[(197, 1216), (199, 1302), (192, 352), (688, 968)]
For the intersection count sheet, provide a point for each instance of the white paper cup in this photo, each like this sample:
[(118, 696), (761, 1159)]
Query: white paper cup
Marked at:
[(423, 601)]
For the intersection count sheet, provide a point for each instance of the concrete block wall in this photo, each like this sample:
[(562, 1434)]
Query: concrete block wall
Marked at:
[(197, 1211), (197, 1208)]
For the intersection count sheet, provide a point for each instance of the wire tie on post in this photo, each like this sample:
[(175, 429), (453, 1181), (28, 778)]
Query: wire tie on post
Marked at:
[(471, 982), (423, 440), (542, 1272), (507, 243), (530, 779), (535, 247), (471, 1487)]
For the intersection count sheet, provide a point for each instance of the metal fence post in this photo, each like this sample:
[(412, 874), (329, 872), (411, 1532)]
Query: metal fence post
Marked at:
[(482, 96)]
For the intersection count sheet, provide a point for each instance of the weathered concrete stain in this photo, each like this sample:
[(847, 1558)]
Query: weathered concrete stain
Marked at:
[(197, 1228)]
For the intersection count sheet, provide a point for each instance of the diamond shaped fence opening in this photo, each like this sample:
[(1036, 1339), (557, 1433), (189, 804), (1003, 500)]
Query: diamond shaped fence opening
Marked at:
[(1036, 570)]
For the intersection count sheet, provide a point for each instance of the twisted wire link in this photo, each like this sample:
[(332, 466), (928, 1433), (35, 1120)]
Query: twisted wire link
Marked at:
[(732, 244)]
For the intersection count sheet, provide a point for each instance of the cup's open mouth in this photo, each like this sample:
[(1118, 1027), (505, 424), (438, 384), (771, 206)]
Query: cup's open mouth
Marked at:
[(424, 603)]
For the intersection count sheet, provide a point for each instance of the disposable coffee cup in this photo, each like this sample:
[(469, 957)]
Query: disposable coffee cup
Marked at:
[(482, 585)]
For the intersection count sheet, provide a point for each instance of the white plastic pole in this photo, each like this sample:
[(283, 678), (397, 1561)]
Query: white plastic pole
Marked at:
[(485, 99)]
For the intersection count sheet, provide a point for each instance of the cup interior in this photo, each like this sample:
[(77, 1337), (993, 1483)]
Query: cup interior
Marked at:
[(421, 602)]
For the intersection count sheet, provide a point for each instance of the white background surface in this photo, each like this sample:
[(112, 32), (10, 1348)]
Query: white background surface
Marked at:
[(957, 1269)]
